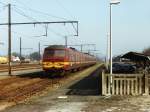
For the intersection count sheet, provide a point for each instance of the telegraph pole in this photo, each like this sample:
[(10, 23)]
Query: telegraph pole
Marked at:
[(66, 41), (9, 39), (20, 48), (39, 52), (81, 47)]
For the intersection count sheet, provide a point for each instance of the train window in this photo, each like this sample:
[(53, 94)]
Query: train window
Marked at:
[(59, 53)]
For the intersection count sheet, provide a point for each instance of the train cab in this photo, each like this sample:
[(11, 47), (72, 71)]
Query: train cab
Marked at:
[(55, 58)]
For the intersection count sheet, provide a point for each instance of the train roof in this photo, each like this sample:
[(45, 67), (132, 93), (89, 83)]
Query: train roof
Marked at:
[(55, 47), (59, 47), (73, 48), (89, 54), (63, 47)]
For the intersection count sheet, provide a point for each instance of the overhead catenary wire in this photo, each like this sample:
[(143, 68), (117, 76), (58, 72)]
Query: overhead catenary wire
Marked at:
[(30, 37), (75, 29), (27, 36), (67, 30), (2, 9), (3, 3), (31, 18), (24, 35), (20, 12), (68, 12), (24, 6), (58, 2), (65, 9), (23, 14)]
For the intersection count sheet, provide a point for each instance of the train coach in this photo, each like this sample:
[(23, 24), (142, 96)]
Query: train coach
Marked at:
[(62, 59)]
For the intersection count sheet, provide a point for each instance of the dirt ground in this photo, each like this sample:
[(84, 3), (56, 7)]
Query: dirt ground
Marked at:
[(120, 104)]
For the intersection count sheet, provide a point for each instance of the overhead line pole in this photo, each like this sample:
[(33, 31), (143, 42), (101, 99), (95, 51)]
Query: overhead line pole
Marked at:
[(77, 29), (39, 52), (66, 41), (20, 48), (81, 48), (9, 39)]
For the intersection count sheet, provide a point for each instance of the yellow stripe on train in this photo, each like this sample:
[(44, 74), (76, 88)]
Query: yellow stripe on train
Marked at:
[(61, 64), (55, 64)]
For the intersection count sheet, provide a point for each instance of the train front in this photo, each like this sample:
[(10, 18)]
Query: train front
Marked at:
[(55, 59)]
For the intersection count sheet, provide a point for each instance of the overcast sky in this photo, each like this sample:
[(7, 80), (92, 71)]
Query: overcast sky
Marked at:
[(130, 24)]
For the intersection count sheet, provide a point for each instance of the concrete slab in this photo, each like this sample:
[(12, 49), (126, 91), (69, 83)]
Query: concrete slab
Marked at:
[(21, 72)]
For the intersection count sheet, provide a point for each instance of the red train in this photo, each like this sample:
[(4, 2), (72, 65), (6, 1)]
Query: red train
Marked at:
[(60, 58)]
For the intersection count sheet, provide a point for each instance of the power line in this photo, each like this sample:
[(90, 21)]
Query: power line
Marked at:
[(3, 3), (24, 35), (23, 14), (67, 30), (76, 29), (36, 11), (58, 34), (2, 9), (62, 6), (27, 36)]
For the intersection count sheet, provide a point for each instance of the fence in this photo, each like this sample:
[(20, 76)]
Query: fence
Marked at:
[(124, 84)]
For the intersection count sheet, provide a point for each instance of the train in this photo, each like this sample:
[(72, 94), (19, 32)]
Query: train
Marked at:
[(62, 59)]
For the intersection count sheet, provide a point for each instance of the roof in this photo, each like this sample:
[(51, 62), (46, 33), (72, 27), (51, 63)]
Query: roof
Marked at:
[(136, 56), (59, 47), (63, 47), (55, 47), (72, 48)]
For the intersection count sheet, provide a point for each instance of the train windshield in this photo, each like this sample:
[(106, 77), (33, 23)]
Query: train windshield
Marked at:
[(55, 53)]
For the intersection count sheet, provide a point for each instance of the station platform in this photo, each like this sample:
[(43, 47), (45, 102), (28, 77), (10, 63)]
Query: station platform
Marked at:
[(21, 72)]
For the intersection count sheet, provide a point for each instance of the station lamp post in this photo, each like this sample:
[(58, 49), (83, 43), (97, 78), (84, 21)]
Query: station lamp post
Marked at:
[(112, 2)]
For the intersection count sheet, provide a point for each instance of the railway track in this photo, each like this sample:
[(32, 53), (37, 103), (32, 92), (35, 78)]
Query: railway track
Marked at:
[(16, 89), (27, 90)]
